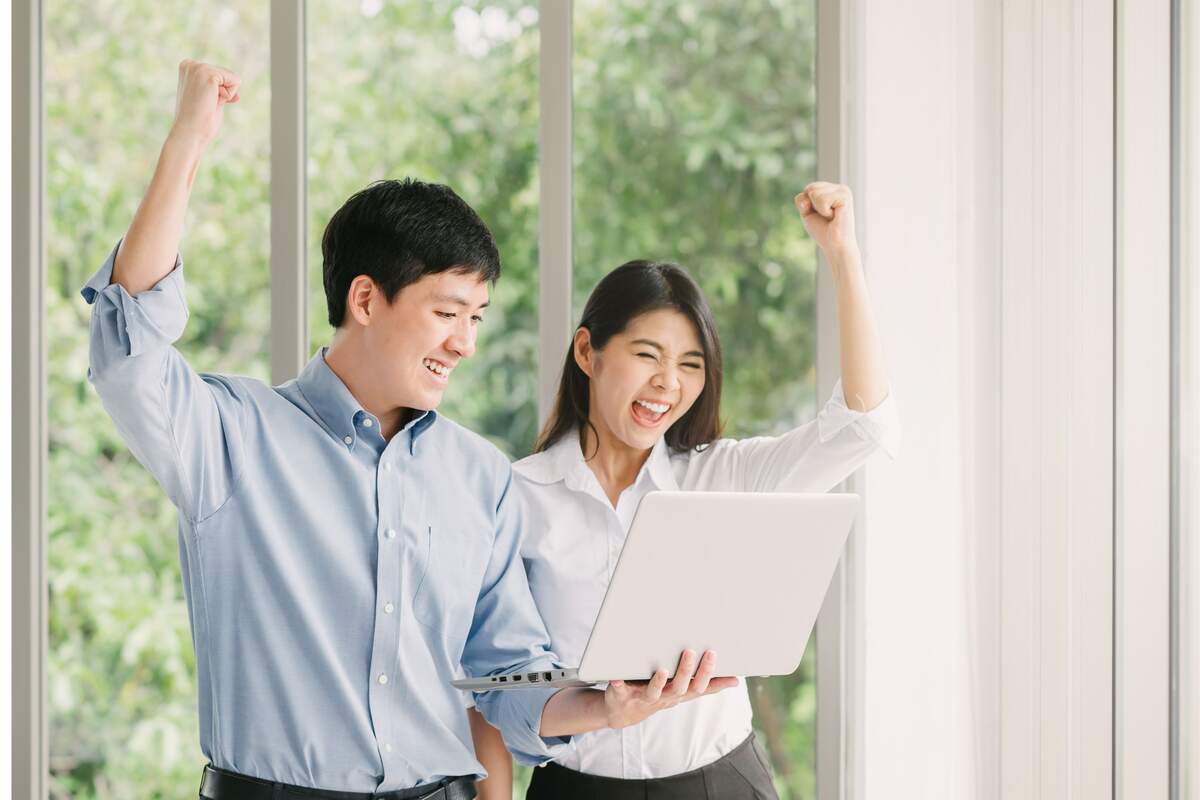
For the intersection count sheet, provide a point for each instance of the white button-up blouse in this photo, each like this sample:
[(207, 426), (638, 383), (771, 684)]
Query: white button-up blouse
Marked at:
[(574, 536)]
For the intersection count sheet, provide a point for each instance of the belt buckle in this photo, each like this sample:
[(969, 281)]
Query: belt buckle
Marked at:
[(437, 794)]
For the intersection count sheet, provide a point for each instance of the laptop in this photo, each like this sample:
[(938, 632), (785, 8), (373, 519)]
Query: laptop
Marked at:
[(740, 573)]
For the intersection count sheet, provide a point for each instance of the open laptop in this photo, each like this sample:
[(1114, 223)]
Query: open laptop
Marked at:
[(743, 574)]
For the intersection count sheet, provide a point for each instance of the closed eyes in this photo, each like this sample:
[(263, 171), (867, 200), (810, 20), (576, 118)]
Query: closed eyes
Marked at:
[(686, 364)]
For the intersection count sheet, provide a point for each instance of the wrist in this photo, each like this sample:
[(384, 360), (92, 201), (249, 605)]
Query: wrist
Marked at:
[(845, 264), (608, 715), (184, 145)]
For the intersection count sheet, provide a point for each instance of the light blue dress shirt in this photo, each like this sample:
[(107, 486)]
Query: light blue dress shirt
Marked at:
[(335, 581)]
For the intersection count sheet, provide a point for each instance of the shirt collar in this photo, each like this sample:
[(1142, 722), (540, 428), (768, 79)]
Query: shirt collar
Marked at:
[(563, 461), (341, 414), (659, 467)]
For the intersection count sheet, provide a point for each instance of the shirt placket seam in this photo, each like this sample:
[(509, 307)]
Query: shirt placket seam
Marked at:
[(387, 636)]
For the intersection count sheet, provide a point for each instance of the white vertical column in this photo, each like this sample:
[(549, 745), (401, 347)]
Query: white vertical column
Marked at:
[(555, 318), (925, 114), (1143, 399), (30, 734), (1057, 417), (289, 295), (916, 730), (1185, 544), (978, 147)]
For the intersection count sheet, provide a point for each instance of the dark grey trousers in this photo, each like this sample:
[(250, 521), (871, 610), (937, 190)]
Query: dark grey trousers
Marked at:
[(742, 774)]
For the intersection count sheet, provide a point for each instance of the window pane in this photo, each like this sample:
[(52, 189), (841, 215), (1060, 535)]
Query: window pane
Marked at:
[(694, 127), (445, 92), (122, 696), (1187, 585)]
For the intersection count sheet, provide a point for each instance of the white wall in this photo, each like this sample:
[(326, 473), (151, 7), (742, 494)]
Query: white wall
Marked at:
[(983, 147), (927, 164)]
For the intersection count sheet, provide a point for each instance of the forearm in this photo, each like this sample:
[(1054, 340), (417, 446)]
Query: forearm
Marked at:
[(573, 711), (864, 378), (151, 244), (491, 752)]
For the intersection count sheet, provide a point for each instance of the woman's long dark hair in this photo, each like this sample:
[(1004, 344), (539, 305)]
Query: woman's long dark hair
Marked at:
[(630, 290)]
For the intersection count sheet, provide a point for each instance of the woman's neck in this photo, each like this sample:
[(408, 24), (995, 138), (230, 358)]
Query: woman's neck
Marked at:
[(615, 464)]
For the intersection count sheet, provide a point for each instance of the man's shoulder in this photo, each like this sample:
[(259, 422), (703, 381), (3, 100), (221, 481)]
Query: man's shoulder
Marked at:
[(458, 438), (238, 386), (251, 396)]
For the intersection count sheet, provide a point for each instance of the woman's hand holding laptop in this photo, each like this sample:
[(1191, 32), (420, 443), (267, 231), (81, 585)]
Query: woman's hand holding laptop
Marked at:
[(624, 703), (630, 702)]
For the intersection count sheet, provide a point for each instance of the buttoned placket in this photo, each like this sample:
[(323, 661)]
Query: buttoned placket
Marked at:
[(386, 687), (616, 523), (633, 758)]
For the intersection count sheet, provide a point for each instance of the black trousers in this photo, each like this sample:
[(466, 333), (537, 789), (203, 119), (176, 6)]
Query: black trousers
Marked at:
[(741, 774)]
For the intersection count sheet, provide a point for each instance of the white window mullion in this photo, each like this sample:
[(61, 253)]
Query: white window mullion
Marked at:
[(555, 199), (289, 286), (30, 734), (838, 639)]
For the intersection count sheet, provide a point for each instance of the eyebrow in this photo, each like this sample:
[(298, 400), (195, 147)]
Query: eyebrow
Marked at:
[(457, 300), (660, 348)]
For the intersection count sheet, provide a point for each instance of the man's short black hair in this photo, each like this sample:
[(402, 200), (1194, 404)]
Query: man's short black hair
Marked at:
[(397, 232)]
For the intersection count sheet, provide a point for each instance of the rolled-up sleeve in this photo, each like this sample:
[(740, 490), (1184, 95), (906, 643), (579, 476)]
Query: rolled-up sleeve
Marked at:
[(183, 427), (814, 457), (880, 426), (508, 635)]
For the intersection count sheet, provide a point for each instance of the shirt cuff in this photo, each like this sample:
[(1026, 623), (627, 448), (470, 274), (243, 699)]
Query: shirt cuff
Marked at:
[(880, 425), (155, 316), (523, 708)]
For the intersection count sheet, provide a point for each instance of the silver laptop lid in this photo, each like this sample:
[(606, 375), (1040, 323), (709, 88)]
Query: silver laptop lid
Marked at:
[(743, 574)]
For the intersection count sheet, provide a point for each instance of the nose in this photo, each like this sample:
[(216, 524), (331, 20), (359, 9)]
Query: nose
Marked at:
[(666, 379), (462, 340)]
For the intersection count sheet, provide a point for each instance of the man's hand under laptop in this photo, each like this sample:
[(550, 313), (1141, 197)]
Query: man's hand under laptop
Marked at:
[(623, 703)]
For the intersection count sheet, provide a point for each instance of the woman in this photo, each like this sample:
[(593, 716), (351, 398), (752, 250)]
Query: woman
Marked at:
[(637, 411)]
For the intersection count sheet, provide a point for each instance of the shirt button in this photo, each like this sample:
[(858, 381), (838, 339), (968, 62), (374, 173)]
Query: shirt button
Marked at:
[(387, 747), (389, 608), (349, 440), (390, 533), (387, 466), (367, 422), (383, 678)]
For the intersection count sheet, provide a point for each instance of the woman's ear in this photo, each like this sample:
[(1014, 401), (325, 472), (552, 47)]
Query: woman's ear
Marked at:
[(358, 299), (582, 347)]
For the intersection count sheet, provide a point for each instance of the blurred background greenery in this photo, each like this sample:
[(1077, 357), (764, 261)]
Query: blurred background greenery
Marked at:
[(693, 127)]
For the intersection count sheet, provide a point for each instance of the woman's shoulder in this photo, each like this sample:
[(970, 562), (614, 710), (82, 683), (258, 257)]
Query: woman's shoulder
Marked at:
[(698, 455), (551, 464), (537, 467), (712, 466)]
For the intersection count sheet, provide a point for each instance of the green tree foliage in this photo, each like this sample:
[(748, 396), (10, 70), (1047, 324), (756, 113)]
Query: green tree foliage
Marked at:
[(693, 129)]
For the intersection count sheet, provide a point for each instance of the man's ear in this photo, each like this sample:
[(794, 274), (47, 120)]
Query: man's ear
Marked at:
[(358, 299), (582, 348)]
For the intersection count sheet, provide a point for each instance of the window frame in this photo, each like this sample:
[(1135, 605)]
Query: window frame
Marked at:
[(839, 633)]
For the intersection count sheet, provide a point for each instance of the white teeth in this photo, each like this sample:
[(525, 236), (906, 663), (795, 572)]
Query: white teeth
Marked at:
[(433, 366), (657, 408)]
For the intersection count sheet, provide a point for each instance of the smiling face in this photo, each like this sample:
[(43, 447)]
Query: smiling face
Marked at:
[(645, 379), (417, 340)]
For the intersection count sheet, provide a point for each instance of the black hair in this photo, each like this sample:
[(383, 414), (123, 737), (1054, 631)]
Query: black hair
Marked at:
[(630, 290), (398, 231)]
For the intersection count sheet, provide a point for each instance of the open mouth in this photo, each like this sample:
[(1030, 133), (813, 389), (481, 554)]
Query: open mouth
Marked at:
[(438, 369), (649, 413)]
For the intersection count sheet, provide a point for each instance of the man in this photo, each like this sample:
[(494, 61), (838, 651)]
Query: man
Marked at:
[(343, 547)]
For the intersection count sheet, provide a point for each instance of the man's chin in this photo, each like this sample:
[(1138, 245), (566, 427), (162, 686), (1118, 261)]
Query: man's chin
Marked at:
[(428, 402)]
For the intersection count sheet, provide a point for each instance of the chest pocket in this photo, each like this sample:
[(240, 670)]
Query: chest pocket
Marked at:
[(448, 567)]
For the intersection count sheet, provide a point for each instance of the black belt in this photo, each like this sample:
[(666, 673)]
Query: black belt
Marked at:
[(220, 784)]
